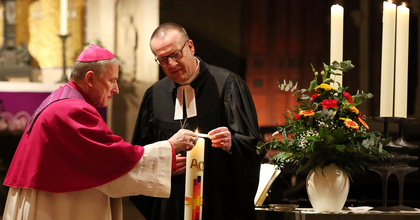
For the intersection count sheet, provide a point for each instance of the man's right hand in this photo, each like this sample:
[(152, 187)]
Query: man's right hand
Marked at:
[(183, 140)]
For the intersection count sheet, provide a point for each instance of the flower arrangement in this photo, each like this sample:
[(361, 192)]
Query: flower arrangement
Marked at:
[(326, 127)]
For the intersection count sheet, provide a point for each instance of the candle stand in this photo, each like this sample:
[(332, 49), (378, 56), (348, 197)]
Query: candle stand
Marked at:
[(64, 78), (400, 149)]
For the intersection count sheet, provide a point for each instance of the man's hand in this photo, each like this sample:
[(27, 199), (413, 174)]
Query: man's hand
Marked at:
[(221, 138), (181, 163), (183, 139)]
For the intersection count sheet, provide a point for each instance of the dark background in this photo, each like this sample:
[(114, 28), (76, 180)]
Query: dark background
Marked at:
[(265, 41)]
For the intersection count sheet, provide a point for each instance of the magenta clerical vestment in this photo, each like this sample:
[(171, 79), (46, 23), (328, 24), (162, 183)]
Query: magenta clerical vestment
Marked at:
[(68, 147)]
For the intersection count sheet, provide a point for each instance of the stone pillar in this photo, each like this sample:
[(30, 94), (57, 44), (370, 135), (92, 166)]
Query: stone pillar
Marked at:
[(124, 27), (13, 60), (136, 21), (9, 39), (9, 24)]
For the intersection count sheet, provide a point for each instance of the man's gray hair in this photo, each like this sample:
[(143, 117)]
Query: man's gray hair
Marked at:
[(80, 69)]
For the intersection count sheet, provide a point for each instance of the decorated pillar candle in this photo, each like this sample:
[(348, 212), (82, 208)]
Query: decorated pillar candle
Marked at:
[(388, 59), (194, 177), (401, 62), (336, 47)]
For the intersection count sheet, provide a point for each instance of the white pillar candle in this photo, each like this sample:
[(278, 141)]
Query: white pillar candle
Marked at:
[(336, 44), (401, 62), (63, 17), (194, 176), (388, 56)]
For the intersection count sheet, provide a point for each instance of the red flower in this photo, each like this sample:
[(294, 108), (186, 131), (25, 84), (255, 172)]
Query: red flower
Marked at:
[(314, 96), (329, 103), (348, 97), (297, 117)]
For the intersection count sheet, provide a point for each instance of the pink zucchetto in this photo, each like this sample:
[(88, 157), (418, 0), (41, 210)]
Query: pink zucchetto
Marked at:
[(94, 53)]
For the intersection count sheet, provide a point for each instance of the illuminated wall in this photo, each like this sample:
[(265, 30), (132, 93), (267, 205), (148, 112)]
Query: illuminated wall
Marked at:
[(45, 44)]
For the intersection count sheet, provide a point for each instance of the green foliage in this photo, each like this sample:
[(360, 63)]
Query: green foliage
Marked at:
[(326, 127)]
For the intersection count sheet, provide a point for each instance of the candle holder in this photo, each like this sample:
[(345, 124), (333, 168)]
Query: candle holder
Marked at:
[(400, 173), (400, 140), (399, 167), (63, 37), (384, 172)]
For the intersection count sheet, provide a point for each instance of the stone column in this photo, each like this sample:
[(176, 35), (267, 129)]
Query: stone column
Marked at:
[(9, 24), (112, 23), (9, 39)]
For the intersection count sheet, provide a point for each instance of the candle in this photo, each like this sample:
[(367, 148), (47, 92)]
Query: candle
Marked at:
[(194, 176), (203, 135), (336, 47), (63, 17), (388, 56), (401, 62)]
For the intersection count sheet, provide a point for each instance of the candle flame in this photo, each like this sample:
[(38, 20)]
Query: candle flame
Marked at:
[(390, 1), (196, 131), (403, 4)]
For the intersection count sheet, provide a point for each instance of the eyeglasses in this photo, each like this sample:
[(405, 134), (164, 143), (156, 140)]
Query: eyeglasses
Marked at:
[(174, 56)]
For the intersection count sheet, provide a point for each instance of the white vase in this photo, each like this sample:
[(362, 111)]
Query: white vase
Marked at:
[(327, 188)]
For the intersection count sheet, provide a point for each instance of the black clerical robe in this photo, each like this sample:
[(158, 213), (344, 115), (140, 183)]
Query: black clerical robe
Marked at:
[(231, 179)]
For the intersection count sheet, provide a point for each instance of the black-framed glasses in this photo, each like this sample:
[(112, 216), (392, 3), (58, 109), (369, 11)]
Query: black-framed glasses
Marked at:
[(176, 55)]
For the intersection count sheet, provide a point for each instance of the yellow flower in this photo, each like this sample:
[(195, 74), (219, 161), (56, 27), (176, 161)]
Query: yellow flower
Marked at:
[(324, 86), (353, 109)]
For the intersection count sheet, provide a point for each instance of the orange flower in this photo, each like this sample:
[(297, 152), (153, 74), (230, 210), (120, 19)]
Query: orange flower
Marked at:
[(307, 113), (363, 123), (350, 123)]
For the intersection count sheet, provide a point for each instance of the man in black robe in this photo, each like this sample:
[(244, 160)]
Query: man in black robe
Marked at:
[(217, 102)]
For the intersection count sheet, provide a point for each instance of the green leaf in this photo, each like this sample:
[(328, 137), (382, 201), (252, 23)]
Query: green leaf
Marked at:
[(329, 139), (346, 65), (327, 67), (295, 87), (313, 84), (335, 65), (328, 81), (313, 69), (340, 147)]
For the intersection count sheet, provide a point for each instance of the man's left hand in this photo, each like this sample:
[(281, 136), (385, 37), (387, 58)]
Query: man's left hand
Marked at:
[(221, 138)]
